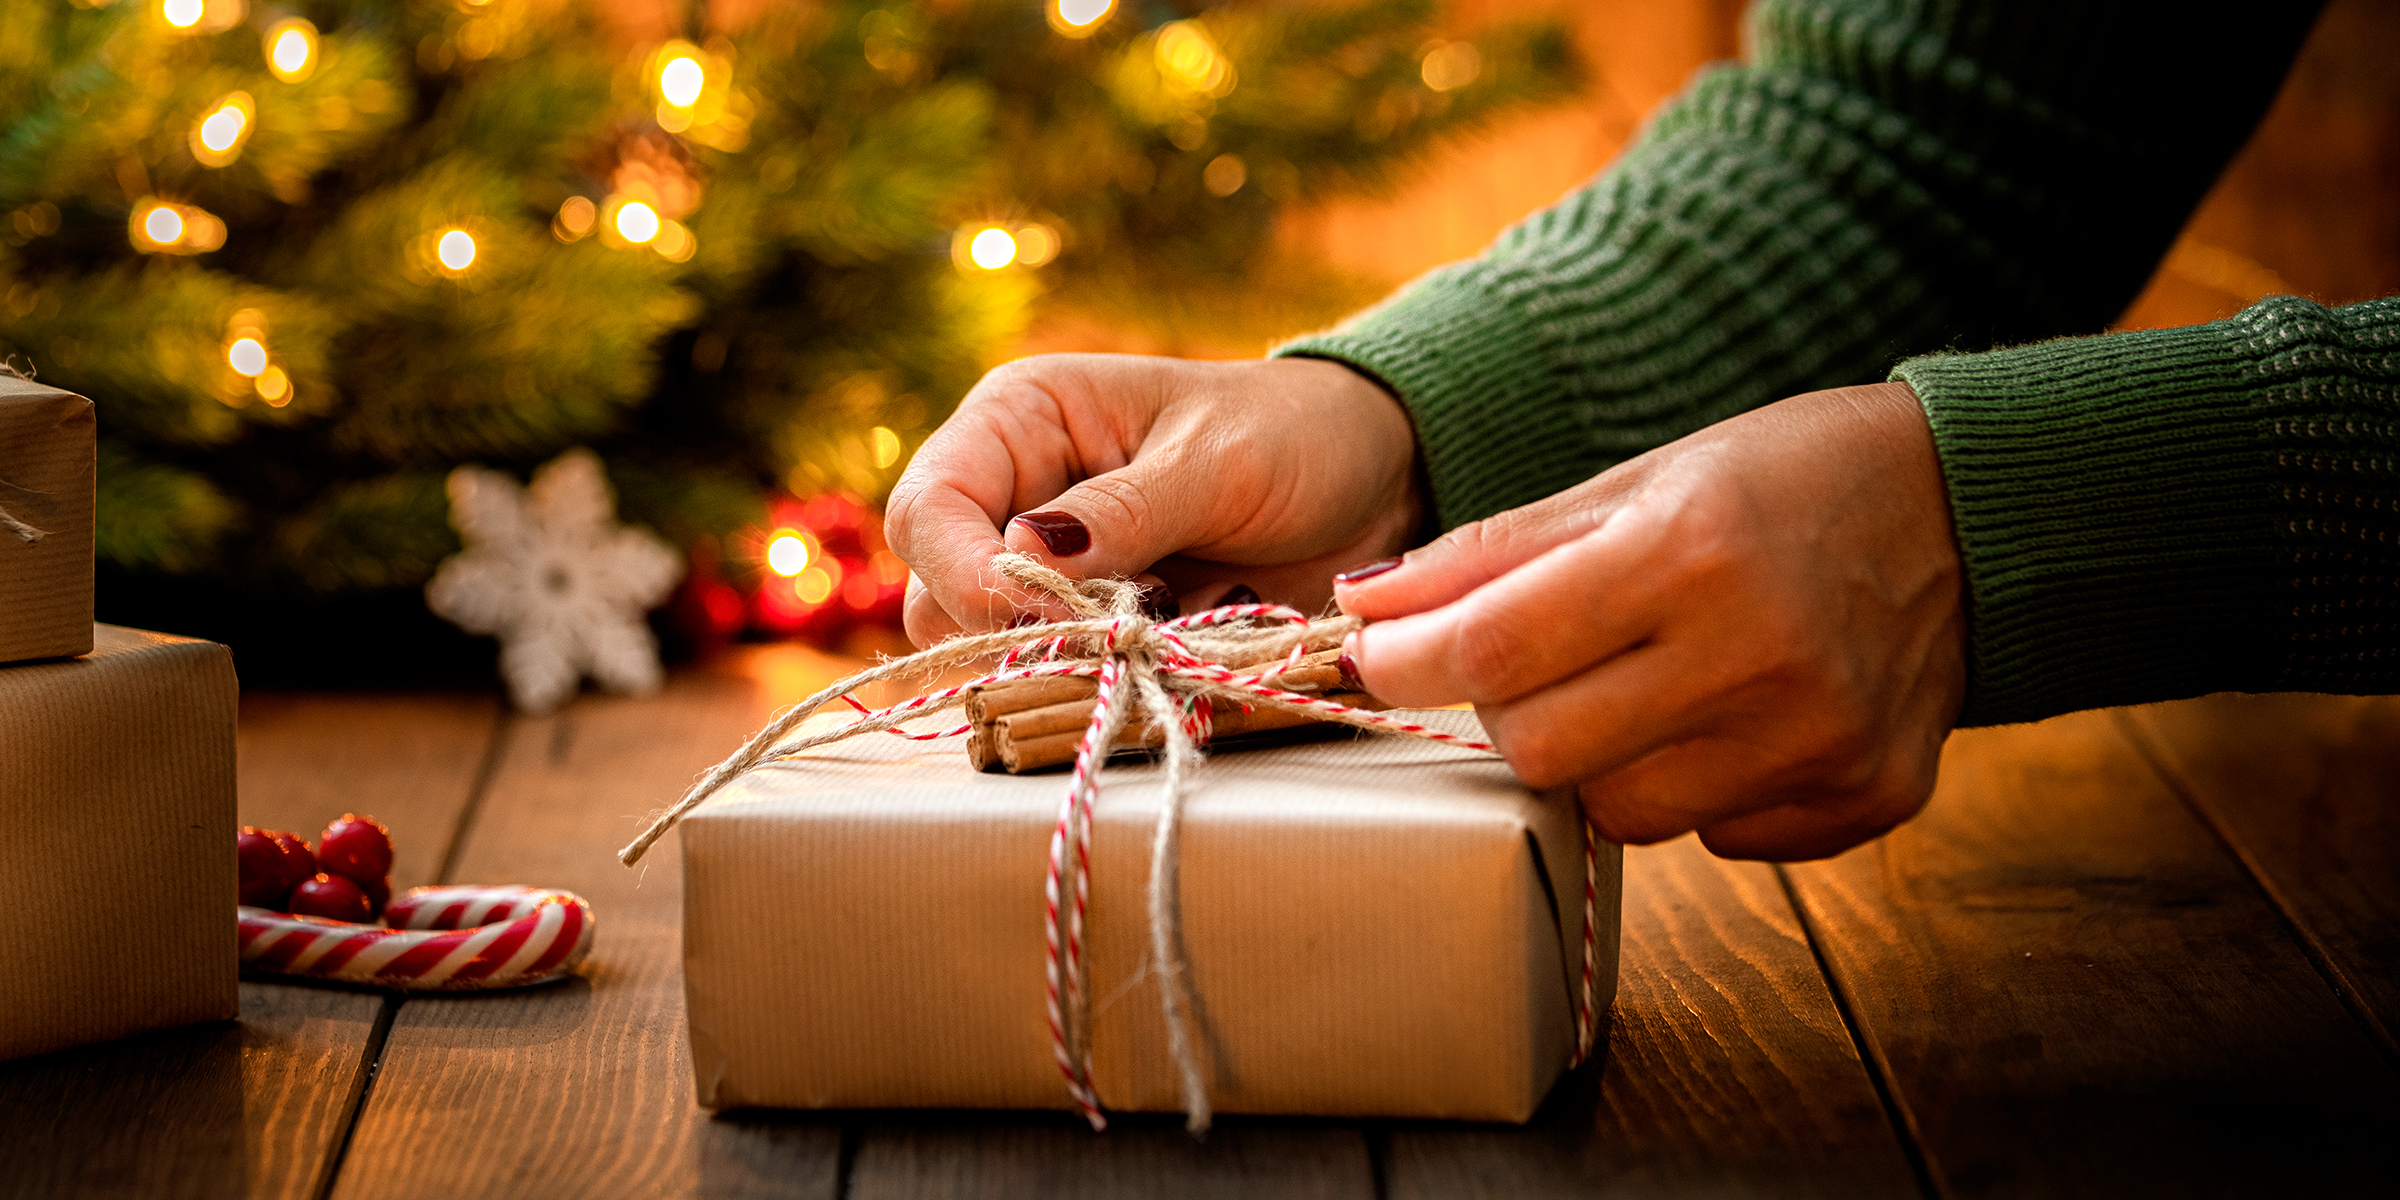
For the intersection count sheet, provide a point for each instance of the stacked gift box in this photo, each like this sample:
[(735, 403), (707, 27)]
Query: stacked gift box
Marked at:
[(116, 772)]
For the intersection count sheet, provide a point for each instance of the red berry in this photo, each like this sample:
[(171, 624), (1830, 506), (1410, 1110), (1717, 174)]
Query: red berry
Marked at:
[(298, 863), (263, 882), (379, 893), (333, 897), (356, 848)]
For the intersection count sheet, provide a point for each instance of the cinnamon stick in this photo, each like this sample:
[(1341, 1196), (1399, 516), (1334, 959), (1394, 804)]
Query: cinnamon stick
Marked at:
[(1003, 748), (1314, 672)]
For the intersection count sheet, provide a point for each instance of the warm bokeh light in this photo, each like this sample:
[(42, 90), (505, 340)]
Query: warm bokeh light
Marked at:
[(860, 592), (1224, 175), (164, 225), (292, 49), (575, 218), (886, 446), (813, 585), (1451, 65), (274, 387), (889, 570), (246, 356), (674, 242), (1079, 18), (182, 14), (992, 249), (679, 81), (1190, 60), (637, 222), (787, 554), (1036, 244), (217, 139), (456, 250)]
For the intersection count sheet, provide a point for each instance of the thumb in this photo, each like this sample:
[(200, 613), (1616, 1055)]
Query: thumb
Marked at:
[(1466, 558), (1117, 523)]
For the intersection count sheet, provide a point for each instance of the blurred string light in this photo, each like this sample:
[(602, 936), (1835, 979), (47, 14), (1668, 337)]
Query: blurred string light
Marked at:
[(816, 583), (575, 218), (1036, 245), (992, 247), (247, 356), (674, 242), (246, 353), (1224, 175), (1080, 18), (182, 14), (884, 445), (204, 16), (636, 222), (1450, 65), (787, 553), (680, 79), (455, 250), (218, 137), (1191, 63), (165, 227), (292, 49), (695, 96)]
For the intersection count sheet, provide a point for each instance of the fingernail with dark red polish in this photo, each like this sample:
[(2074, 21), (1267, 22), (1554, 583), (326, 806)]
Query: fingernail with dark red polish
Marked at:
[(1241, 594), (1157, 601), (1348, 666), (1357, 574), (1021, 620), (1062, 535)]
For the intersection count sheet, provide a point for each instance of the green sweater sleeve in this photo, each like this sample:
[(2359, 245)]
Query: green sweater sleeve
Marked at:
[(2152, 515), (1882, 178)]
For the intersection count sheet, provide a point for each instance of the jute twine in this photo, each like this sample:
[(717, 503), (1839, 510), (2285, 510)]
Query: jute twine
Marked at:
[(1174, 669)]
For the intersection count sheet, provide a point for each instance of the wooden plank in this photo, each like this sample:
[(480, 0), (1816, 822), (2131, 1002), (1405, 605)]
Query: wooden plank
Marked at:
[(2073, 990), (2306, 790), (1729, 1071), (1142, 1155), (255, 1108), (584, 1088)]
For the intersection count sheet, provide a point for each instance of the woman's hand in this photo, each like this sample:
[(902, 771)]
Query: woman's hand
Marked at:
[(1268, 474), (1755, 632)]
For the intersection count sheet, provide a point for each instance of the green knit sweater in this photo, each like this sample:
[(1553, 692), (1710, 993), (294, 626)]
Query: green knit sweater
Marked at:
[(2143, 515)]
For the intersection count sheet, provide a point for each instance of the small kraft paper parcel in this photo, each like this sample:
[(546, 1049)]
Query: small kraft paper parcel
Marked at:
[(1379, 921), (47, 456)]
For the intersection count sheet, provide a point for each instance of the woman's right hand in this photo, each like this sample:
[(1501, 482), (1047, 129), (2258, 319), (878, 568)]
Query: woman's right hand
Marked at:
[(1271, 474)]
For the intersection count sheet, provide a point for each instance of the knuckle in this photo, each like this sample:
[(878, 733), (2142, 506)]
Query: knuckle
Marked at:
[(1483, 652), (1626, 820), (1116, 500), (1534, 753)]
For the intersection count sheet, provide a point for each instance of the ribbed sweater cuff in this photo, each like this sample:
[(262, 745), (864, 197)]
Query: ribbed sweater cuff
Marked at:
[(1474, 379), (2109, 497)]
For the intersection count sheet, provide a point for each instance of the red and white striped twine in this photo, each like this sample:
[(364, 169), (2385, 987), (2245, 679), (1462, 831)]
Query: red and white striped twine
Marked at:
[(1123, 644)]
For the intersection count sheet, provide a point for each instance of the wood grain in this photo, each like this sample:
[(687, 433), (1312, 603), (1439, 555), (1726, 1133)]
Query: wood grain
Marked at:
[(1728, 1072), (255, 1108), (1141, 1155), (584, 1088), (2306, 790), (2075, 991)]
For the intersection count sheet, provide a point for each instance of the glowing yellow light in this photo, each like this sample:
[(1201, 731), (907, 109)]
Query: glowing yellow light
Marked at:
[(886, 445), (787, 554), (1036, 245), (1224, 175), (1451, 65), (274, 387), (292, 49), (813, 585), (456, 250), (992, 249), (246, 356), (217, 139), (182, 14), (888, 568), (1076, 18), (637, 222), (674, 242), (164, 226), (1189, 59), (679, 81), (575, 218)]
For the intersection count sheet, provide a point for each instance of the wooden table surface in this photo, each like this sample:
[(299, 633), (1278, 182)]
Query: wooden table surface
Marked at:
[(2141, 952)]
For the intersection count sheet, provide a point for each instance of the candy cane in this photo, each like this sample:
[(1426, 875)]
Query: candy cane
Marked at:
[(439, 939)]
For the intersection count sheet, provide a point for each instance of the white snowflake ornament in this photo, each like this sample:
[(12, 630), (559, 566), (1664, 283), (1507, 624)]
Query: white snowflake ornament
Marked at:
[(550, 572)]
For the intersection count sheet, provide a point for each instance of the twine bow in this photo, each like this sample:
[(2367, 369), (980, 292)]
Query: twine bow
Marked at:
[(1175, 670)]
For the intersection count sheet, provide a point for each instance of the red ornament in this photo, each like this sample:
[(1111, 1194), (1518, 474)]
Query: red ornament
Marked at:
[(357, 848), (331, 897), (264, 883)]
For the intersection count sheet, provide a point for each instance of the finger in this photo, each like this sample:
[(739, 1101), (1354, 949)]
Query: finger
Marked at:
[(922, 616), (1466, 558), (1549, 619), (1798, 832), (1599, 722), (1119, 523)]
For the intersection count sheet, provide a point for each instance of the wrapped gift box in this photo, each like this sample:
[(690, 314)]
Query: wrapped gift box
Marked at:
[(117, 811), (46, 463), (1377, 927)]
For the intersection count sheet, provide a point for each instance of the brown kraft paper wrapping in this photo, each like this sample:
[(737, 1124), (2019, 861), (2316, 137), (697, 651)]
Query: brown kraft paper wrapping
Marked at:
[(117, 808), (1377, 927), (46, 467)]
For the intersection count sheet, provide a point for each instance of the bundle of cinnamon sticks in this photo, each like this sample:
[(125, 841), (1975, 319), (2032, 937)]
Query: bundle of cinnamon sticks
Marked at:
[(1029, 724)]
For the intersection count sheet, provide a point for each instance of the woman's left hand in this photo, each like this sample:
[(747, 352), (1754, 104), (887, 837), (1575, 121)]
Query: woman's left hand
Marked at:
[(1755, 631)]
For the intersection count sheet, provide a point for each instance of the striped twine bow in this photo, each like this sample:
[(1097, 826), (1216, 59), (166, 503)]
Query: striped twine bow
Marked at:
[(1174, 670)]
